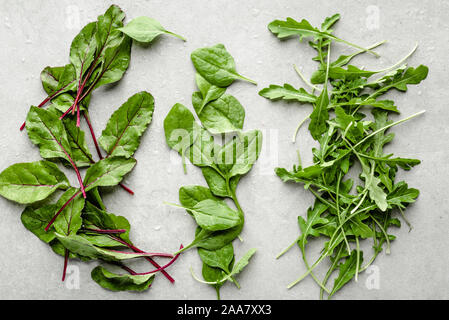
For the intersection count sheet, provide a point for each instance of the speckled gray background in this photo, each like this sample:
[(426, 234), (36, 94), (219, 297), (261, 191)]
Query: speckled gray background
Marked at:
[(34, 34)]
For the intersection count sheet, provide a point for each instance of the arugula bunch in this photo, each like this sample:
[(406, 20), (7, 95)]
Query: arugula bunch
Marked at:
[(343, 214), (222, 165), (78, 224)]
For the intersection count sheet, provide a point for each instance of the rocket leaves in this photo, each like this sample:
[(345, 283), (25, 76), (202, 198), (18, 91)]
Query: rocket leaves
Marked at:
[(222, 164), (78, 225), (345, 214)]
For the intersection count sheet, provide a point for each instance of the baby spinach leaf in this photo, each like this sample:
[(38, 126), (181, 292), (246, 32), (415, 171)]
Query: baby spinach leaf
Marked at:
[(126, 126), (179, 126), (145, 29), (209, 92), (223, 115), (27, 183), (214, 240), (216, 65), (220, 258), (121, 282), (213, 215), (190, 196)]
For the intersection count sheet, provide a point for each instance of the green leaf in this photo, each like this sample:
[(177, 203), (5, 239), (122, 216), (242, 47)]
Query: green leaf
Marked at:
[(69, 220), (287, 92), (376, 193), (48, 132), (223, 115), (27, 183), (126, 126), (243, 262), (319, 115), (214, 240), (145, 29), (291, 27), (50, 79), (211, 274), (209, 92), (220, 258), (190, 196), (350, 73), (216, 65), (96, 218), (202, 152), (213, 215), (108, 172), (180, 126), (217, 183), (239, 155), (314, 220), (107, 36), (82, 50), (347, 271), (121, 282), (79, 150), (402, 195), (85, 248), (36, 220)]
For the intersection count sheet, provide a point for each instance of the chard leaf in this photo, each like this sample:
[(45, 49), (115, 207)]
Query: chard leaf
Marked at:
[(126, 126), (27, 183), (83, 247), (216, 65), (47, 132), (145, 29), (69, 220), (50, 79), (83, 48), (287, 92), (79, 150), (35, 220), (108, 172), (121, 282)]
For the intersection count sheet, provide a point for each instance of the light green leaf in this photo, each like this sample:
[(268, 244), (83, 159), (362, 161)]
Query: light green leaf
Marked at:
[(36, 220), (121, 282), (69, 220), (108, 172), (145, 29), (216, 65), (27, 183), (287, 92), (213, 215), (209, 92)]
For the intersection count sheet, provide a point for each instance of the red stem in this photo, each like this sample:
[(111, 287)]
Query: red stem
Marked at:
[(145, 254), (66, 258), (154, 263), (100, 231), (132, 272)]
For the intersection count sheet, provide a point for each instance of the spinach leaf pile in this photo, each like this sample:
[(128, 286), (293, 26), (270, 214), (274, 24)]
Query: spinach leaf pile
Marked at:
[(222, 165), (344, 214), (78, 224)]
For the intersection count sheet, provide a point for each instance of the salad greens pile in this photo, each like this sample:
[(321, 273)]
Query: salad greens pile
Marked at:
[(222, 165), (78, 224), (351, 142)]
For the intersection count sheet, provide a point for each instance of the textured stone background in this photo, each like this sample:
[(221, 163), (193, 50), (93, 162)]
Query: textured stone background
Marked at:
[(35, 34)]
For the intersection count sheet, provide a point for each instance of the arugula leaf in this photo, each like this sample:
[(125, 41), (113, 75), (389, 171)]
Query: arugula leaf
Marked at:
[(347, 271), (126, 126), (216, 65), (287, 92), (27, 183), (145, 29)]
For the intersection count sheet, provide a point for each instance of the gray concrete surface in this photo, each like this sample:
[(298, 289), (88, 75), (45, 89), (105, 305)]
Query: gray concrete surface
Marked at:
[(34, 34)]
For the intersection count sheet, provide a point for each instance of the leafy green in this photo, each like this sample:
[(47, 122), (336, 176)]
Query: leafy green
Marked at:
[(350, 143), (287, 92), (216, 65), (121, 282), (125, 127), (108, 172), (145, 29), (27, 183)]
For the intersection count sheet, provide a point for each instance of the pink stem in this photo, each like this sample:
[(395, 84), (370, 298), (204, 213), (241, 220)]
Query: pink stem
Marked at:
[(66, 258), (100, 231)]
